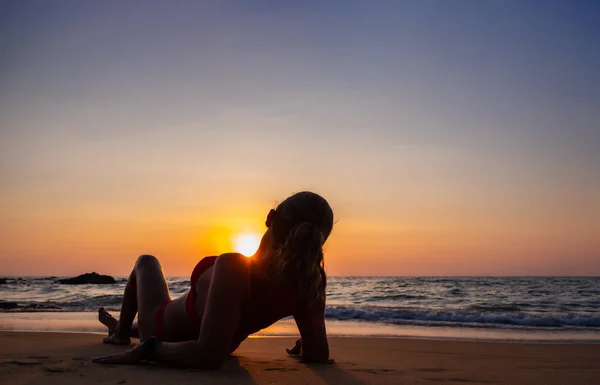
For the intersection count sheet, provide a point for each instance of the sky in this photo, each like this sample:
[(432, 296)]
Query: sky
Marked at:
[(450, 137)]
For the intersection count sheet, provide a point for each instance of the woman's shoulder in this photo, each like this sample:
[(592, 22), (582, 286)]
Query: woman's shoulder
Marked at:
[(233, 262)]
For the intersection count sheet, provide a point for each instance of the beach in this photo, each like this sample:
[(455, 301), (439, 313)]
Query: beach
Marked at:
[(382, 330), (65, 358)]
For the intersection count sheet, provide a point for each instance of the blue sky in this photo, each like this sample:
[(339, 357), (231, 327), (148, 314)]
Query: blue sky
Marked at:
[(446, 117)]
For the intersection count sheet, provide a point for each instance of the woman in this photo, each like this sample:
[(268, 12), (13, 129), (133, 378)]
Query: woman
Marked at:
[(232, 296)]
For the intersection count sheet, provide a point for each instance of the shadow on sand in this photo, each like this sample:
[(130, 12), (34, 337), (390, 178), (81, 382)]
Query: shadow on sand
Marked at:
[(332, 374)]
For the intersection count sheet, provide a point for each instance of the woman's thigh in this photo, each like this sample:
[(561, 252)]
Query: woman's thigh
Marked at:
[(152, 291)]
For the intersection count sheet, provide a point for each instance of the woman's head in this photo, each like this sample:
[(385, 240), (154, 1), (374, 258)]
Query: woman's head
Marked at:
[(300, 225)]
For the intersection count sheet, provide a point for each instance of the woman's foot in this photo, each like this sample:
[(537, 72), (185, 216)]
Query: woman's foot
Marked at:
[(107, 320), (115, 339), (112, 324)]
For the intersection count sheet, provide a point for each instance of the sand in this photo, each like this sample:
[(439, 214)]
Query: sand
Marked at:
[(64, 358)]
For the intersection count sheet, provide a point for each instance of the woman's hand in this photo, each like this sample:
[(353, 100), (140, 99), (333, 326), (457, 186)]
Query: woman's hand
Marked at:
[(131, 356), (296, 350), (138, 353)]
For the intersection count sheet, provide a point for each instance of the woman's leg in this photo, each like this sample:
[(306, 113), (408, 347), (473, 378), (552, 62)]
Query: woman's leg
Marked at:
[(145, 291)]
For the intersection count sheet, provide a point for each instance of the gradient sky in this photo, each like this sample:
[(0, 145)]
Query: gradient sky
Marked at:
[(450, 137)]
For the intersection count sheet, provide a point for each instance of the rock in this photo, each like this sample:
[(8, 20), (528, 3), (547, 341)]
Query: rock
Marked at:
[(88, 278), (8, 305), (3, 281)]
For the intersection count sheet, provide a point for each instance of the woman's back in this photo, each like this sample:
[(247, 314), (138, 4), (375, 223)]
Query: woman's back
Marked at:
[(264, 302)]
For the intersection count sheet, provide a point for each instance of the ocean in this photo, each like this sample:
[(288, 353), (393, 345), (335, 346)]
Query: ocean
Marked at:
[(513, 308)]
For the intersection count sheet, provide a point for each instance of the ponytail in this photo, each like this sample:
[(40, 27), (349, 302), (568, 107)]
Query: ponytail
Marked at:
[(299, 263)]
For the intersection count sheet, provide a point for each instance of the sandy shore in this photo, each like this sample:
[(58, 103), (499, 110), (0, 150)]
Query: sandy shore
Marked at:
[(63, 358)]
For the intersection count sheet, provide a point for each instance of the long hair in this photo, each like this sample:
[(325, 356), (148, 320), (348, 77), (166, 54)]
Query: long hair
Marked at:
[(301, 225)]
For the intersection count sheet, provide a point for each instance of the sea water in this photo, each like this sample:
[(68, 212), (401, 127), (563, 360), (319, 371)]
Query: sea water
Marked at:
[(505, 308)]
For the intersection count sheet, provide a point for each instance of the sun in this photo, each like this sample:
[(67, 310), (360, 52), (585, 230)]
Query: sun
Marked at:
[(246, 243)]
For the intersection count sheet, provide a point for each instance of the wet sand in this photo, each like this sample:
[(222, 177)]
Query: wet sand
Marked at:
[(65, 358)]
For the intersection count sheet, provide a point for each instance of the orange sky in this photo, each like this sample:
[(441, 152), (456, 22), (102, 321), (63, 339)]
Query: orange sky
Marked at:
[(107, 238), (446, 142)]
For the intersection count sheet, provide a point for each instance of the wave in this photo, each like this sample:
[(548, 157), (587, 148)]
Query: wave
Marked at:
[(461, 318), (112, 302), (568, 303), (393, 297), (498, 308)]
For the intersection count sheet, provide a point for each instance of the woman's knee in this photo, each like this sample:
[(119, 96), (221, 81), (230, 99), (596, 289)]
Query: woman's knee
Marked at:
[(146, 260)]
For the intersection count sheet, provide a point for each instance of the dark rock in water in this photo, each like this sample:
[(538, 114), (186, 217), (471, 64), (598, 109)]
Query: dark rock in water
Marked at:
[(88, 278), (8, 305), (3, 281)]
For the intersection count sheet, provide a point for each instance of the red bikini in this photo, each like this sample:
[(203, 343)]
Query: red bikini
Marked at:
[(190, 301)]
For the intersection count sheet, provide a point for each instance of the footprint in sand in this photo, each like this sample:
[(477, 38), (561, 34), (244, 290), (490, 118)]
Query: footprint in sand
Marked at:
[(462, 380), (370, 371), (431, 370), (59, 368), (280, 369), (21, 362), (374, 371)]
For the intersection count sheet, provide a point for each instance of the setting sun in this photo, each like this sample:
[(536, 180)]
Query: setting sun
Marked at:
[(246, 243)]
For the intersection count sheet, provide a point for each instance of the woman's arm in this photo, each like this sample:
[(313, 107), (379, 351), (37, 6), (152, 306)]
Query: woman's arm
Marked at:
[(220, 320), (311, 324)]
